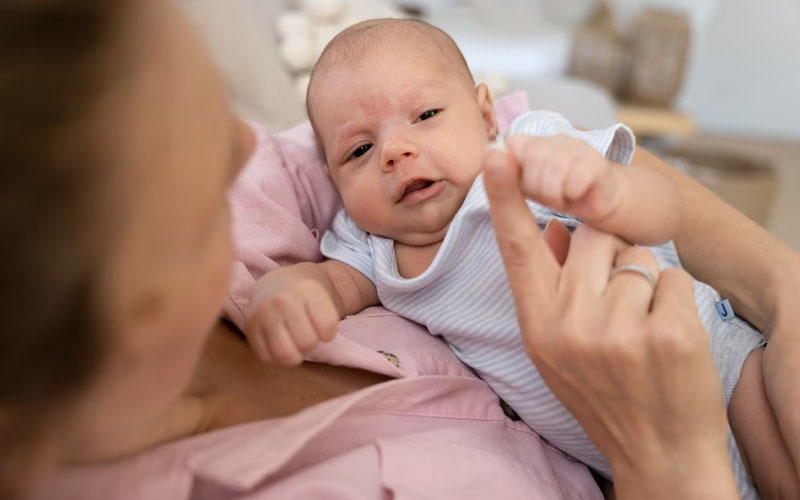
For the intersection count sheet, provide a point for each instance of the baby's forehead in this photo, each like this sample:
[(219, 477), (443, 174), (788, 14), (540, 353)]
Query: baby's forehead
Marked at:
[(387, 38), (351, 53), (361, 91), (427, 67), (421, 46)]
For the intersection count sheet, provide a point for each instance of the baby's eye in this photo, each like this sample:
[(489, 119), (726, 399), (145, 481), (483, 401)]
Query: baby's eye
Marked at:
[(361, 150), (428, 114)]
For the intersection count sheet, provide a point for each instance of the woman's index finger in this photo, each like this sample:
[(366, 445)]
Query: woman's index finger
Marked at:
[(532, 270)]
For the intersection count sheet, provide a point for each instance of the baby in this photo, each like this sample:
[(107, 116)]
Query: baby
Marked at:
[(403, 130)]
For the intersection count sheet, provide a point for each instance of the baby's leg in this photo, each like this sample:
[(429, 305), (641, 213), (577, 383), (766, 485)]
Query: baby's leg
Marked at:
[(756, 430)]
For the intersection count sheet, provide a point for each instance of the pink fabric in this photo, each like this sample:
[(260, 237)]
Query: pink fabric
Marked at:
[(436, 431), (281, 204), (509, 107)]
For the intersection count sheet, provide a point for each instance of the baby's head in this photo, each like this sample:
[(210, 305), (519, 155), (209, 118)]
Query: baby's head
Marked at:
[(402, 126)]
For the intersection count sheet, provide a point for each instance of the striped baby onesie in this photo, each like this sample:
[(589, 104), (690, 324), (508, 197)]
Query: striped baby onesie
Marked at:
[(464, 297)]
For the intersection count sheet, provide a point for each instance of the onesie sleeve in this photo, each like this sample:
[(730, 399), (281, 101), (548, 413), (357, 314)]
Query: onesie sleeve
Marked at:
[(348, 244), (617, 142)]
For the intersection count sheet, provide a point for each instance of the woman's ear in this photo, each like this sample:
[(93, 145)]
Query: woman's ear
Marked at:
[(486, 106)]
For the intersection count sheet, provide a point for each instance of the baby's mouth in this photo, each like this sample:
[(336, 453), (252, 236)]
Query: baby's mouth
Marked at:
[(419, 190), (416, 186)]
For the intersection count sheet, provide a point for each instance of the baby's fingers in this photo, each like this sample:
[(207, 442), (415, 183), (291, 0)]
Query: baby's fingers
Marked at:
[(532, 155), (324, 318), (580, 180), (281, 347), (256, 330), (301, 328)]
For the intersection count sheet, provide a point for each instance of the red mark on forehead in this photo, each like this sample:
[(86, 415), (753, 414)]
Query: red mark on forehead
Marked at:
[(375, 107)]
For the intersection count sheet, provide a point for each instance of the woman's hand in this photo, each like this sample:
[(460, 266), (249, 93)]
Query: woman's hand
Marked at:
[(630, 360)]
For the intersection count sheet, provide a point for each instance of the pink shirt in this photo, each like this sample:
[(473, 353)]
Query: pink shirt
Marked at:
[(436, 431)]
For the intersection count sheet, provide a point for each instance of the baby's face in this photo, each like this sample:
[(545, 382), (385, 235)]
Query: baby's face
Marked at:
[(403, 137)]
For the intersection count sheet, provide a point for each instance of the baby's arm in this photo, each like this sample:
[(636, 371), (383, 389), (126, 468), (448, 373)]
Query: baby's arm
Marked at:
[(294, 308), (640, 205)]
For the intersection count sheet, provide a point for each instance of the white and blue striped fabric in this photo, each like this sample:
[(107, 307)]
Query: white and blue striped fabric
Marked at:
[(464, 297)]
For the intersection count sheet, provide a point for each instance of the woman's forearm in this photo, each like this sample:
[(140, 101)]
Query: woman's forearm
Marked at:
[(722, 247), (688, 477)]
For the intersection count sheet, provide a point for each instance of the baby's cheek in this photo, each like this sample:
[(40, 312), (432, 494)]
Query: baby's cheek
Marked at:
[(363, 209), (370, 221)]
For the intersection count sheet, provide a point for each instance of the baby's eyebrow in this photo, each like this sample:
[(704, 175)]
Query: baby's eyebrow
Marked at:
[(346, 130), (342, 134), (423, 86)]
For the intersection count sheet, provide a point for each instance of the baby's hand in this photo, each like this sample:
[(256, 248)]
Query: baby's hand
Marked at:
[(567, 175), (288, 317)]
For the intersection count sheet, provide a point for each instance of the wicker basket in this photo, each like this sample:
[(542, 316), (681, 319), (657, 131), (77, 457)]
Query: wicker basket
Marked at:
[(599, 54), (659, 43), (645, 65)]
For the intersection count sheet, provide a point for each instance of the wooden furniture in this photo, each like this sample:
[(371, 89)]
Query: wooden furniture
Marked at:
[(655, 121)]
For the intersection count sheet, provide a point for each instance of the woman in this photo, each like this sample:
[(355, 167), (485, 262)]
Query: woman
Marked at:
[(115, 233)]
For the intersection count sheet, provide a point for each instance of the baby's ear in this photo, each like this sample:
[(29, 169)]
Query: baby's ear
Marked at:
[(486, 106)]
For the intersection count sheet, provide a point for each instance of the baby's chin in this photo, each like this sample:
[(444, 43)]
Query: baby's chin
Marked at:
[(423, 235)]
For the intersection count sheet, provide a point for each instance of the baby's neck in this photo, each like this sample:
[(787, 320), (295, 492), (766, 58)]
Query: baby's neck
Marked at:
[(414, 260)]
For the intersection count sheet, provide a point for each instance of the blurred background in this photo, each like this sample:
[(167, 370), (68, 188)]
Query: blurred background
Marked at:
[(711, 85)]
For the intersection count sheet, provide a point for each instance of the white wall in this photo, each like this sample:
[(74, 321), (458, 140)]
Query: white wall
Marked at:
[(744, 73)]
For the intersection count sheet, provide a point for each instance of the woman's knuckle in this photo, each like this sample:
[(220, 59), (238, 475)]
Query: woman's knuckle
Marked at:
[(663, 330), (677, 277), (675, 339), (640, 255), (623, 355)]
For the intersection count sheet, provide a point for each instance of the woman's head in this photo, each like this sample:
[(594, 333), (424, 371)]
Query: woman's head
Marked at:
[(117, 146)]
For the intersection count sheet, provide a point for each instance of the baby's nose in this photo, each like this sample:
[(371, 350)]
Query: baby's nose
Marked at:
[(398, 151), (391, 161)]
